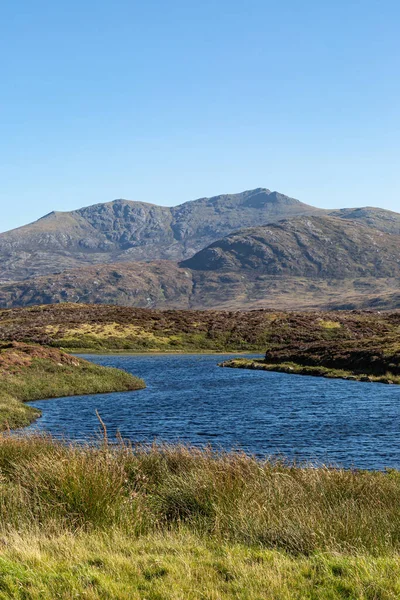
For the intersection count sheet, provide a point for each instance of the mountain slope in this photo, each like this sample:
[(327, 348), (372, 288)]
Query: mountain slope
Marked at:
[(303, 262), (377, 218), (305, 247), (126, 230)]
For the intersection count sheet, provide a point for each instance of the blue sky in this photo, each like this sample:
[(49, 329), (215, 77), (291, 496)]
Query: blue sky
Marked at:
[(169, 101)]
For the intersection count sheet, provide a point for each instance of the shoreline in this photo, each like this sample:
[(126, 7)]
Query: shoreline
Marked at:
[(31, 373), (116, 352), (291, 368)]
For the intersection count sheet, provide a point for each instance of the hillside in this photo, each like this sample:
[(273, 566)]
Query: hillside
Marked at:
[(124, 230), (305, 247), (304, 262), (378, 218)]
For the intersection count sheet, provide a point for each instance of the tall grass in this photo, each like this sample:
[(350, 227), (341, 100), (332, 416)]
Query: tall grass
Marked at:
[(226, 497)]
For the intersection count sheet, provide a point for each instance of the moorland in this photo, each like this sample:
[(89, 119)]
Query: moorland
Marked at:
[(350, 344), (102, 520), (120, 521)]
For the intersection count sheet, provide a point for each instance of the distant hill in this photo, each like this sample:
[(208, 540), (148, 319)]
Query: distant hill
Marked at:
[(377, 218), (124, 230), (303, 262), (305, 247)]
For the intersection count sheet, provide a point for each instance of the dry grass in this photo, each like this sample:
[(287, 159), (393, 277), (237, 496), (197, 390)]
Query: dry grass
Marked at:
[(224, 496), (177, 523)]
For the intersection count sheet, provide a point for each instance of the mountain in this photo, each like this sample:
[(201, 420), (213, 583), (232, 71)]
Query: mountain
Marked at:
[(377, 218), (326, 247), (124, 230), (303, 262), (160, 283)]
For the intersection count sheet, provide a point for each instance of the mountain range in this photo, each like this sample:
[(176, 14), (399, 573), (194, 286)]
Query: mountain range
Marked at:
[(124, 230), (249, 250)]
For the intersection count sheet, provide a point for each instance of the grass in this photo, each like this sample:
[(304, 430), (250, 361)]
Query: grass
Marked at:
[(129, 339), (33, 373), (315, 371), (171, 522), (182, 566)]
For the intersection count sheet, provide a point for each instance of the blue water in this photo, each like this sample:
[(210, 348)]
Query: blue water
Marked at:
[(190, 399)]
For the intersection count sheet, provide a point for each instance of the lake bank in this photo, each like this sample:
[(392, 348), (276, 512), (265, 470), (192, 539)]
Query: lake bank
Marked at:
[(292, 368), (31, 372)]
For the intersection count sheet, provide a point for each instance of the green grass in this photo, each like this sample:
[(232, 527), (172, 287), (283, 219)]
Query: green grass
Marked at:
[(13, 413), (182, 566), (56, 376), (316, 371), (170, 522), (46, 379), (143, 342)]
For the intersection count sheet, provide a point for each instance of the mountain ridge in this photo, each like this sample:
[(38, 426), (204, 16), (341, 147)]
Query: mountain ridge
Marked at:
[(130, 230), (307, 262), (304, 246), (235, 250)]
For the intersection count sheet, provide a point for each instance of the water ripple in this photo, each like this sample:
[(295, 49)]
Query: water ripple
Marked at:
[(190, 399)]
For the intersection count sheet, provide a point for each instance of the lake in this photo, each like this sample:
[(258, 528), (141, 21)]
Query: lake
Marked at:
[(190, 399)]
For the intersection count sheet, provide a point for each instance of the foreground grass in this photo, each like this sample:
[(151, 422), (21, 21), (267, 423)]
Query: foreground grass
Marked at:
[(170, 522), (33, 373), (316, 371), (183, 566)]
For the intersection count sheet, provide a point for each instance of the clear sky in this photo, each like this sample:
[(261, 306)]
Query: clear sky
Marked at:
[(169, 101)]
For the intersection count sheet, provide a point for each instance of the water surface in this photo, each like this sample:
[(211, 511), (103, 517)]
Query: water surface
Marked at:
[(190, 399)]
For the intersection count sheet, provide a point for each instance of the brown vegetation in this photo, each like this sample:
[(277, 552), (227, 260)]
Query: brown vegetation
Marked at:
[(115, 327)]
